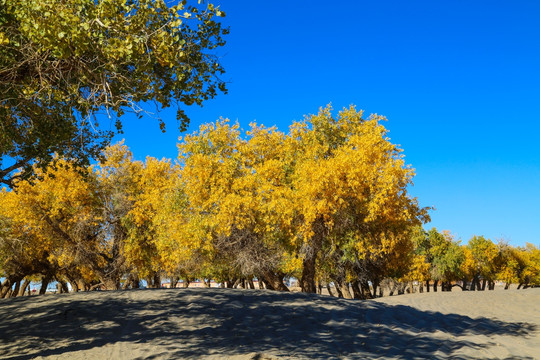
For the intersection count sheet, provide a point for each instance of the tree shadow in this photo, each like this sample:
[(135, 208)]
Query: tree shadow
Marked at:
[(193, 323)]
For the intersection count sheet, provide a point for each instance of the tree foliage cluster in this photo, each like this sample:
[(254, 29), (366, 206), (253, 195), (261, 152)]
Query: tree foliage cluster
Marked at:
[(325, 203), (64, 62)]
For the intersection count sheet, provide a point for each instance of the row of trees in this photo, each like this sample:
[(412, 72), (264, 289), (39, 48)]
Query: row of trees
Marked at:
[(439, 259), (326, 202)]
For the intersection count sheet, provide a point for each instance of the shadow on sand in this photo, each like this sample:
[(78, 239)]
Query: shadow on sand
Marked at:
[(193, 323)]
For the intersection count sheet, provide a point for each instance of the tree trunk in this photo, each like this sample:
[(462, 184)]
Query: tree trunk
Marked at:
[(344, 287), (229, 284), (338, 290), (111, 284), (174, 282), (507, 286), (74, 284), (274, 281), (15, 291), (307, 282), (44, 283), (357, 293), (157, 280), (6, 286), (185, 283), (375, 284), (329, 289), (366, 293), (394, 287), (62, 287), (435, 282), (478, 285), (250, 284), (427, 285)]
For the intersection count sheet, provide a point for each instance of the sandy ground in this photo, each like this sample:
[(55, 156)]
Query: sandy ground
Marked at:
[(259, 324)]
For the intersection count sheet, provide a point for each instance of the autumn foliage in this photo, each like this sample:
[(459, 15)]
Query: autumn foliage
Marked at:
[(326, 203)]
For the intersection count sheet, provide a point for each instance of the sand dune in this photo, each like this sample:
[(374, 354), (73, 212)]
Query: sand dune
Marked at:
[(258, 324)]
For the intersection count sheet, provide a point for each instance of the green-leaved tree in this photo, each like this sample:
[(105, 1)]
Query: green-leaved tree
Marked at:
[(64, 62)]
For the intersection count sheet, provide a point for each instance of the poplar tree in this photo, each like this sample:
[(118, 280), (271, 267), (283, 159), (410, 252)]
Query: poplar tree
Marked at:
[(70, 69)]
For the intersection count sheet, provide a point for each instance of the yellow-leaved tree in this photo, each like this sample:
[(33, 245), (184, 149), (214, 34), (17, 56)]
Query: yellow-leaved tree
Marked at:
[(230, 208), (351, 184)]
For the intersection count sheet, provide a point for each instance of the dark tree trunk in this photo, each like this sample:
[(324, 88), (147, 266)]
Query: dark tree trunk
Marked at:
[(357, 293), (444, 286), (366, 293), (375, 284), (174, 281), (274, 281), (506, 286), (329, 289), (250, 284), (15, 291), (484, 282), (435, 282), (427, 285), (3, 288), (478, 285), (338, 290), (307, 282), (186, 283), (62, 287), (6, 285), (44, 283)]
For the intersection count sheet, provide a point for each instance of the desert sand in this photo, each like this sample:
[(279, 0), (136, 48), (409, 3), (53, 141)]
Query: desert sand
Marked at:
[(260, 324)]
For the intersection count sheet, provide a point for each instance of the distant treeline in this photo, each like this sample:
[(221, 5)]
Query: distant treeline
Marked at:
[(326, 203)]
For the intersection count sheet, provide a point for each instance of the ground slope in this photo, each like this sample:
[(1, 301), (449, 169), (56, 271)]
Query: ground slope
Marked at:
[(258, 324)]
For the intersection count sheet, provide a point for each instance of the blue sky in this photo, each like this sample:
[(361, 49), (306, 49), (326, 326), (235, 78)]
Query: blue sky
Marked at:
[(459, 82)]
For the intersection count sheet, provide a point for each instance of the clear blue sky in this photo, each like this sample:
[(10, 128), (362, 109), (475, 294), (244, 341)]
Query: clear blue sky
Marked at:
[(459, 82)]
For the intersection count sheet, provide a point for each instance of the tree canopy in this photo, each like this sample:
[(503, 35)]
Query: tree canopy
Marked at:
[(326, 202), (65, 67)]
